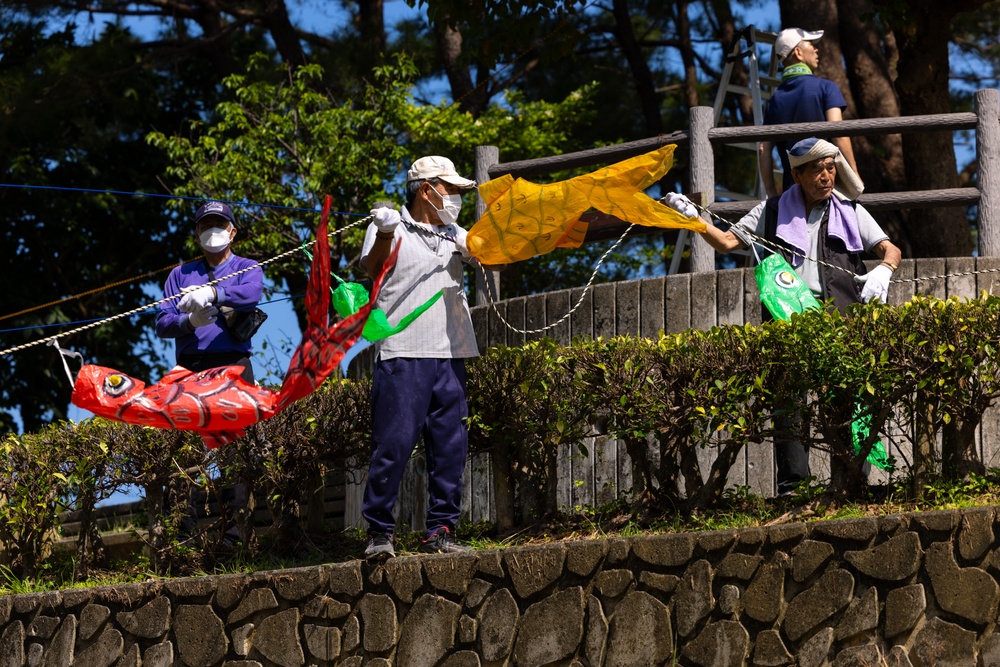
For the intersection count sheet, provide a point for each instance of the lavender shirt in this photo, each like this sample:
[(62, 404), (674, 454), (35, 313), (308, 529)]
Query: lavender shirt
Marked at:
[(242, 291)]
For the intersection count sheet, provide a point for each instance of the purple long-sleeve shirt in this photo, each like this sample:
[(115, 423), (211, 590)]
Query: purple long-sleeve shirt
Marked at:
[(242, 291)]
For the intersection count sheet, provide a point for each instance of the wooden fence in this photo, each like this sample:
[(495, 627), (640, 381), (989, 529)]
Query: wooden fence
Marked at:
[(706, 297), (644, 308)]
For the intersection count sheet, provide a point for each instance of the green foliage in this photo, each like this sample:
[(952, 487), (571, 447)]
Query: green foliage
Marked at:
[(284, 139), (33, 480), (523, 407), (520, 127), (922, 370)]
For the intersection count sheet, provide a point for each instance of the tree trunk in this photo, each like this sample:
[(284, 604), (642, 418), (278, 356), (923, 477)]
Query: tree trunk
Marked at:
[(274, 16), (871, 64), (687, 56), (371, 26), (923, 444), (649, 99), (470, 98), (923, 34), (503, 490)]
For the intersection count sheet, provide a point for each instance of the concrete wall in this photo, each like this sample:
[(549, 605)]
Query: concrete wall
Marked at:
[(915, 589)]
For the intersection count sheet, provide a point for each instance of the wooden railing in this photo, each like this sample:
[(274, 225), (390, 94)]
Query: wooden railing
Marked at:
[(702, 140)]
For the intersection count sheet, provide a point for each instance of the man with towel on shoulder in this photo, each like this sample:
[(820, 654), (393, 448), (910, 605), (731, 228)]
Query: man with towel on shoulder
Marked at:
[(815, 219), (818, 219)]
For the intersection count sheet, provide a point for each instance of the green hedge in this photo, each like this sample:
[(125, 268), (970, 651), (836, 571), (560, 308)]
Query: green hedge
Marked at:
[(920, 371)]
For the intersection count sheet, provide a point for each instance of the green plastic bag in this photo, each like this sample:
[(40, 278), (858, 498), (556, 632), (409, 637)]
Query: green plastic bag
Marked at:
[(781, 291), (348, 298), (784, 293), (878, 457), (377, 326)]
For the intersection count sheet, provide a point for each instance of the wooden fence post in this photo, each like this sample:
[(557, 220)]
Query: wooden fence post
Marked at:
[(988, 158), (486, 157), (702, 181)]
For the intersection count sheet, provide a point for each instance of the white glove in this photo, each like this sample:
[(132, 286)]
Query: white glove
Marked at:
[(462, 247), (203, 316), (876, 284), (386, 219), (196, 298), (682, 205)]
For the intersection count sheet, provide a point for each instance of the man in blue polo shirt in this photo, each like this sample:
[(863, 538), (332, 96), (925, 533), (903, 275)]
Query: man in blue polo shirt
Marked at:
[(802, 97)]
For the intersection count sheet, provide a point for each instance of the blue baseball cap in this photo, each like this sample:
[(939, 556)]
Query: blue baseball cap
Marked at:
[(214, 208)]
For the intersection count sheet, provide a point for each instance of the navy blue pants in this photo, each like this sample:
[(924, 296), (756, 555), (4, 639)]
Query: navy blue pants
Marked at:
[(410, 398)]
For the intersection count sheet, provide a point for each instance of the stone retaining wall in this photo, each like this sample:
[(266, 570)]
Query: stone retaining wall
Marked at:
[(916, 589)]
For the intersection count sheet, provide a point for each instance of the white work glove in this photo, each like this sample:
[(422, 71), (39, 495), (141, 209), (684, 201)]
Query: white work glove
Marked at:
[(203, 316), (682, 205), (386, 219), (876, 284), (463, 249), (196, 298)]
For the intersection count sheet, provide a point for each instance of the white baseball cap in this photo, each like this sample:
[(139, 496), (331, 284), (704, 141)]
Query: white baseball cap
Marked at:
[(435, 166), (789, 38)]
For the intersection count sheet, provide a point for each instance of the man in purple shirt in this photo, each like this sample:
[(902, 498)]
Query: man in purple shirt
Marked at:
[(202, 338), (802, 97)]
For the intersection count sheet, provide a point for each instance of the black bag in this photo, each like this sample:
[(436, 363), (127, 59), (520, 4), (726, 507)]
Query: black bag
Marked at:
[(243, 324)]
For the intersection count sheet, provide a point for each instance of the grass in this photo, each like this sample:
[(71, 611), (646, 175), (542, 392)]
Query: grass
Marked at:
[(739, 509)]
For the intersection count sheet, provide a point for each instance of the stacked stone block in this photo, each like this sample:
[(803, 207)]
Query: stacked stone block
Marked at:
[(901, 590)]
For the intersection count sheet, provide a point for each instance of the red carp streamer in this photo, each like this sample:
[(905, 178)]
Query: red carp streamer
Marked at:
[(217, 403)]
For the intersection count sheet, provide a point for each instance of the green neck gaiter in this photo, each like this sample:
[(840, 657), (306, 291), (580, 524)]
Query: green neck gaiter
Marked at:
[(792, 71)]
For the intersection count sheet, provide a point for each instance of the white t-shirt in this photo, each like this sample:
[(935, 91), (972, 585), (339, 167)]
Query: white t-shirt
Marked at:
[(808, 271), (426, 264)]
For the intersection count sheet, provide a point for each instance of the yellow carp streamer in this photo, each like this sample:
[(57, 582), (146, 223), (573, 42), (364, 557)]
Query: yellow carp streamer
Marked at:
[(524, 219)]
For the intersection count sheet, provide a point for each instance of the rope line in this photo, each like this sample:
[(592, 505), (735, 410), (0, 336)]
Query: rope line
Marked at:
[(586, 288), (494, 298), (53, 325), (134, 311), (774, 247), (148, 274)]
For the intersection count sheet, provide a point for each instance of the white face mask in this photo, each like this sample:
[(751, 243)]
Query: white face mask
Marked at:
[(214, 239), (452, 205)]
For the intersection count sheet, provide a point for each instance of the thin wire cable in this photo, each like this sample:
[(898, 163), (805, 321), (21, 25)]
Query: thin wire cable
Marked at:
[(148, 274), (244, 203), (579, 301), (776, 248), (128, 313)]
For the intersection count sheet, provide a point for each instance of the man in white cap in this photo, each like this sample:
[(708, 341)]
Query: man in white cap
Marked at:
[(418, 383), (802, 97), (815, 220)]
